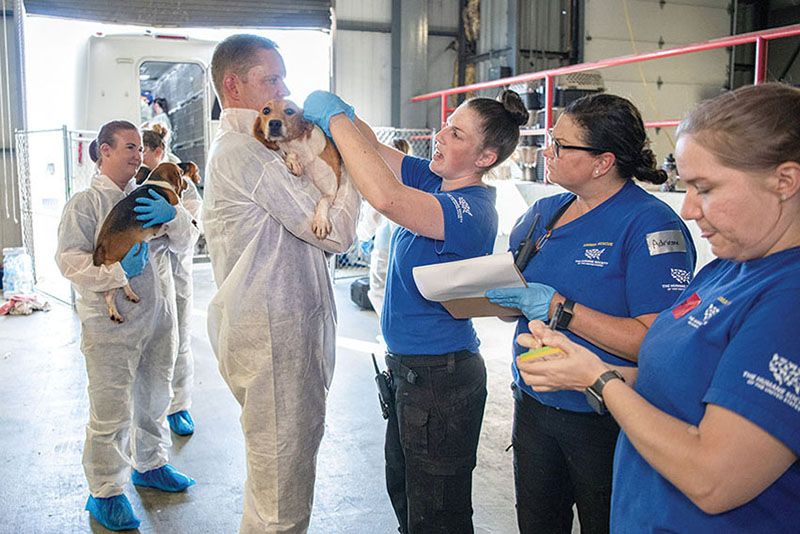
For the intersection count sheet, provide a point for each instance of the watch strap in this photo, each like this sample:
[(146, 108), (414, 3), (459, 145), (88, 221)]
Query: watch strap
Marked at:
[(565, 317), (604, 379)]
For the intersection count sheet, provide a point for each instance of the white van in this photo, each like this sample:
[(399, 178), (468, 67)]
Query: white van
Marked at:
[(126, 74)]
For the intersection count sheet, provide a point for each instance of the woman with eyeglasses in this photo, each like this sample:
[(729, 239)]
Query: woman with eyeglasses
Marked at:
[(711, 418), (608, 258)]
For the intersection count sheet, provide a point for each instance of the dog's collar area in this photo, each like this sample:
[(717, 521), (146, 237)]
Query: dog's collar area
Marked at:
[(161, 183)]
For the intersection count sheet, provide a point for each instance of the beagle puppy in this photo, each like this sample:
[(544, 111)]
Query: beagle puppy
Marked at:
[(120, 229), (306, 150)]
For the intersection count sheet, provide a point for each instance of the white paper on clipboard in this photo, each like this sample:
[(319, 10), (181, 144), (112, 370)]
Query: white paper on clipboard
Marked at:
[(460, 285)]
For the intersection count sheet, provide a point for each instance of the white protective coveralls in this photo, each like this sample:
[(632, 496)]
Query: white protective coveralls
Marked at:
[(129, 365), (372, 224), (272, 322), (181, 263)]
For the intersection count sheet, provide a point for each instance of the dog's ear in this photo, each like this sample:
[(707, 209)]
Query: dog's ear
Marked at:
[(308, 127), (258, 133), (142, 174), (190, 171)]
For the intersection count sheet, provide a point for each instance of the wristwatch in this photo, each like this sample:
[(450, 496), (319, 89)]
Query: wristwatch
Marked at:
[(594, 393), (566, 314)]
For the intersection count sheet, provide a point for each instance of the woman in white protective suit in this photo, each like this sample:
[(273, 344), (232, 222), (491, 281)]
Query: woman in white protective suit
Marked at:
[(129, 365), (180, 421)]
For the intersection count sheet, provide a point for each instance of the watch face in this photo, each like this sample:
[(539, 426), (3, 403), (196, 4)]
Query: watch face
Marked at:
[(595, 401)]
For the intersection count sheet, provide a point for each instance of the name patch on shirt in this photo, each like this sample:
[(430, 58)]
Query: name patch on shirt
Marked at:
[(665, 241)]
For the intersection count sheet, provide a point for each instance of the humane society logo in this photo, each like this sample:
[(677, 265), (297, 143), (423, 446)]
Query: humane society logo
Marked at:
[(593, 254), (462, 207), (681, 276), (785, 385), (711, 310)]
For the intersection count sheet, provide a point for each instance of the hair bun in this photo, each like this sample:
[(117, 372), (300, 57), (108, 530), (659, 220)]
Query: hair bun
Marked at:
[(516, 108), (160, 129)]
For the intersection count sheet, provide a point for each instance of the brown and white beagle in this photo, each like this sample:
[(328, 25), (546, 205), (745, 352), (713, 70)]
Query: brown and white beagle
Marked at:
[(306, 150)]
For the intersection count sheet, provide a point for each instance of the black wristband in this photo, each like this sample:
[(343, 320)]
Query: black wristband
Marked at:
[(566, 314)]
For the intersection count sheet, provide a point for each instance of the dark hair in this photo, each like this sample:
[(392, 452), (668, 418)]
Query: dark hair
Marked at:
[(236, 53), (162, 103), (613, 124), (756, 127), (501, 120), (106, 137), (155, 137)]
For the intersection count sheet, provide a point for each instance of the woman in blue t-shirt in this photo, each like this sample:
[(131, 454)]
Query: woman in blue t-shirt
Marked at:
[(610, 256), (445, 213), (711, 420)]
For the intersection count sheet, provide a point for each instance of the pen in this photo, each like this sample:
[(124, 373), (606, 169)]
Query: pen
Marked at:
[(556, 316)]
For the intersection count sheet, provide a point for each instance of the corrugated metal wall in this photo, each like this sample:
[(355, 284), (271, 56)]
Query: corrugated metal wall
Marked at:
[(192, 13), (673, 84), (363, 58), (10, 119)]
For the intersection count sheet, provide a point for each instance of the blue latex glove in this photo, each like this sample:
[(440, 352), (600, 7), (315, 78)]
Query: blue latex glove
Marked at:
[(533, 301), (165, 478), (320, 106), (114, 513), (135, 259), (155, 210)]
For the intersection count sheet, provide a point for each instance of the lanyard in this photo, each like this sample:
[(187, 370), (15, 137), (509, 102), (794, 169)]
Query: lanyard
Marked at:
[(528, 248)]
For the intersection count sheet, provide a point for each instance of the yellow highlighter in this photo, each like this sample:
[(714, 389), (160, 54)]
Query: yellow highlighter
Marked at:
[(538, 353)]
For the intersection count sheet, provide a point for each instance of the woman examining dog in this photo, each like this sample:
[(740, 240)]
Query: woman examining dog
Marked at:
[(445, 213), (607, 252), (180, 421), (710, 424), (129, 365)]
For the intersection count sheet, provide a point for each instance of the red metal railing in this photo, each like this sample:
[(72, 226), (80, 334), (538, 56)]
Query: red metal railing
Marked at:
[(760, 38)]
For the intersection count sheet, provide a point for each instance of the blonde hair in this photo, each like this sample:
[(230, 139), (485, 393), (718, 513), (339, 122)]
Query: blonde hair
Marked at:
[(155, 137), (753, 128), (237, 53)]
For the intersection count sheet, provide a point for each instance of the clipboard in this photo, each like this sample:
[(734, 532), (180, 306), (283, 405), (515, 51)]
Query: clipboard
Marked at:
[(460, 285)]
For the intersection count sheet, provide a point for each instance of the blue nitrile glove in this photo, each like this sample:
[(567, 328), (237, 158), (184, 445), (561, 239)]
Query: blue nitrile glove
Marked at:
[(135, 259), (155, 210), (320, 106), (533, 301)]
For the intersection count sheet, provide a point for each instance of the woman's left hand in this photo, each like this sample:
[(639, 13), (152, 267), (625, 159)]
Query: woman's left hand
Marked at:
[(574, 368), (154, 210), (320, 106)]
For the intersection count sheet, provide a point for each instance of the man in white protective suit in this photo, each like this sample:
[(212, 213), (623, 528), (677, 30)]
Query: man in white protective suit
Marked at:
[(272, 321)]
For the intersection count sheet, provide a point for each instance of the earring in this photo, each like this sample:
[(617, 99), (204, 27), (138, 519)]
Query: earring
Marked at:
[(783, 198), (596, 172)]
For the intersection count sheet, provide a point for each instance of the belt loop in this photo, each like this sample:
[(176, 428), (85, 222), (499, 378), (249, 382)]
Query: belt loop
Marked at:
[(451, 363)]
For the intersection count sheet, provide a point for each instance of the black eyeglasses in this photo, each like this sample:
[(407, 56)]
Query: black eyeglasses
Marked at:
[(558, 147)]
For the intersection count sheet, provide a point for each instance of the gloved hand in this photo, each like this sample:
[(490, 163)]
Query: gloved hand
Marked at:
[(533, 301), (135, 259), (320, 106), (155, 210)]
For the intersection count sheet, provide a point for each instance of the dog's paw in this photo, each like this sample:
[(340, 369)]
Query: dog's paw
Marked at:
[(294, 165), (116, 317), (133, 298), (321, 227)]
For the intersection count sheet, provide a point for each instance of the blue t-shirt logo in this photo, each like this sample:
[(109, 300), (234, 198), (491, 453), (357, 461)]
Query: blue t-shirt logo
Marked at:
[(710, 311), (593, 254), (461, 205)]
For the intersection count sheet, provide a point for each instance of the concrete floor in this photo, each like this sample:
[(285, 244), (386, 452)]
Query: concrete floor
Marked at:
[(44, 407)]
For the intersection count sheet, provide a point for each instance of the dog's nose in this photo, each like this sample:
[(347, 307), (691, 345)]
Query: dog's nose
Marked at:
[(275, 124)]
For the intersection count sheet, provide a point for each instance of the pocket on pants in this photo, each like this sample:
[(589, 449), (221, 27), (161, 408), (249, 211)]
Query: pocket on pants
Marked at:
[(461, 428), (414, 429)]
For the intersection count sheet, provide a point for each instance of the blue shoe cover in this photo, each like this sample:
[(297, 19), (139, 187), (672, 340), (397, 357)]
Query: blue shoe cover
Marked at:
[(114, 513), (181, 423), (165, 478)]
